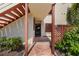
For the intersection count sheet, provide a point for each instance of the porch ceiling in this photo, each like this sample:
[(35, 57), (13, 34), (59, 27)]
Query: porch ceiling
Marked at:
[(39, 10), (10, 12)]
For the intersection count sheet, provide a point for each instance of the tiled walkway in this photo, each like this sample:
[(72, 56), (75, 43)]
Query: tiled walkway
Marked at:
[(41, 48)]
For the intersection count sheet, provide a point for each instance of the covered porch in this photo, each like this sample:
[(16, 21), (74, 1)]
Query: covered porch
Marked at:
[(37, 39), (47, 23)]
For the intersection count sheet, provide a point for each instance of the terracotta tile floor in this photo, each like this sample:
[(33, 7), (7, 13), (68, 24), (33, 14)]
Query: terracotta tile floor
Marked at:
[(41, 48)]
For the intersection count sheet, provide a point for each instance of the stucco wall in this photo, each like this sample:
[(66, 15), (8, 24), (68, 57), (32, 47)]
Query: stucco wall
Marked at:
[(47, 19), (14, 29), (61, 12), (30, 29), (60, 17)]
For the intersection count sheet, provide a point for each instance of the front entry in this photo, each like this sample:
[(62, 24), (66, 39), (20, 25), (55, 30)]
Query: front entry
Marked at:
[(37, 30)]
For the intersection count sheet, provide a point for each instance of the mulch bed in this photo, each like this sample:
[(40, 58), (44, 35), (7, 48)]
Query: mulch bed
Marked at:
[(59, 53), (12, 53), (18, 52)]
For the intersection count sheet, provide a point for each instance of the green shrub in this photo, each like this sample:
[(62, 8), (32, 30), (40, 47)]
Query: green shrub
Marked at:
[(13, 43), (70, 43), (73, 14)]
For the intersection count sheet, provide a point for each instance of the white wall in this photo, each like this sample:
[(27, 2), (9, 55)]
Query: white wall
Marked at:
[(14, 29), (30, 29), (60, 17), (47, 19), (61, 12)]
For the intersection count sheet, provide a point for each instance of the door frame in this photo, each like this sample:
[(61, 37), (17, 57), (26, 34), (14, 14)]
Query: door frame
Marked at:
[(39, 35)]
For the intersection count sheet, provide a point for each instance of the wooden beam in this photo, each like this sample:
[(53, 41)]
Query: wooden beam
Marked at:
[(11, 16), (23, 7), (3, 22), (23, 10), (9, 10), (5, 18), (18, 9), (13, 9), (53, 37), (14, 16), (15, 13), (26, 29), (11, 19), (18, 12)]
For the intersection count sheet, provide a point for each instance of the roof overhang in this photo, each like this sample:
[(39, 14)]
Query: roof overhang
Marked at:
[(10, 12), (6, 6), (39, 10)]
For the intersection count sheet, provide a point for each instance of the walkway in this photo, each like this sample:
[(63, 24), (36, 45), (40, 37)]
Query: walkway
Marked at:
[(41, 48)]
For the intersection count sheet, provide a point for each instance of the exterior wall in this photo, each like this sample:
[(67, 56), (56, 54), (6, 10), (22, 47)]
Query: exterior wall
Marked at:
[(61, 12), (60, 17), (47, 19), (30, 30), (58, 31), (14, 29)]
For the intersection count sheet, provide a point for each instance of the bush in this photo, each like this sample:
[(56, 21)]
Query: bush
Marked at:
[(73, 14), (70, 43), (13, 43)]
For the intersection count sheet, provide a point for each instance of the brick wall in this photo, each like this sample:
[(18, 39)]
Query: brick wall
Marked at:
[(59, 32)]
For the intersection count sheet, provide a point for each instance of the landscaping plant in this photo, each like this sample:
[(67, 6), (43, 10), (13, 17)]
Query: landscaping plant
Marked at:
[(69, 45), (73, 14), (11, 44)]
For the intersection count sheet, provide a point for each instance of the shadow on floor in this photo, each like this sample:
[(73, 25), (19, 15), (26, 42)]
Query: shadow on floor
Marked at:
[(41, 39)]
